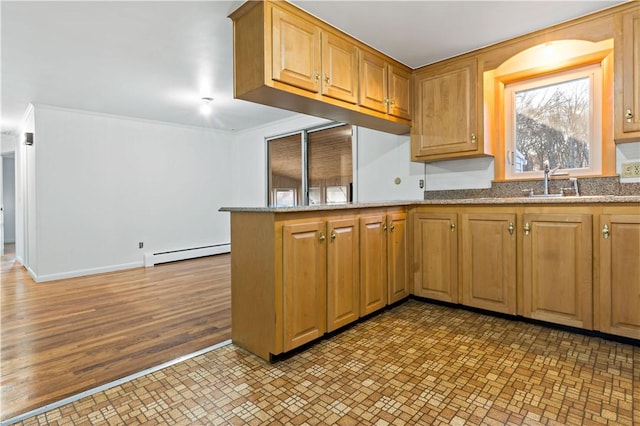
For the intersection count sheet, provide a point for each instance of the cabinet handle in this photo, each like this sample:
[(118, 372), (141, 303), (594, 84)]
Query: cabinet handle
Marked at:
[(386, 101), (384, 226), (473, 138), (326, 79), (628, 115), (605, 231), (333, 235), (527, 228), (316, 77), (392, 227), (392, 102), (322, 237), (511, 228), (452, 226)]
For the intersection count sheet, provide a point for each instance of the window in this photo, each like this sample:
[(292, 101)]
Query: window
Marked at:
[(311, 167), (554, 119)]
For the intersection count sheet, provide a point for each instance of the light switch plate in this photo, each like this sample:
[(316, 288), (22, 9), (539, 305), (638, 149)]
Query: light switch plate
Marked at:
[(631, 170)]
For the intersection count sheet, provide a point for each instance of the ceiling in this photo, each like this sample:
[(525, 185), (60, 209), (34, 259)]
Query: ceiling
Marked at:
[(156, 60)]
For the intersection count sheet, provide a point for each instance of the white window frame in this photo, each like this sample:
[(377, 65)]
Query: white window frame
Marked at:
[(594, 73)]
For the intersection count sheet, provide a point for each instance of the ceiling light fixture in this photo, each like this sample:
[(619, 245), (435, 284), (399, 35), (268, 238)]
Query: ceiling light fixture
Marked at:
[(206, 106)]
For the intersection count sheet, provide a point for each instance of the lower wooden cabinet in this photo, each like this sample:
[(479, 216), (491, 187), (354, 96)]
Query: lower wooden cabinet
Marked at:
[(397, 253), (373, 263), (343, 272), (304, 282), (489, 261), (383, 260), (557, 268), (620, 274), (435, 255), (296, 276)]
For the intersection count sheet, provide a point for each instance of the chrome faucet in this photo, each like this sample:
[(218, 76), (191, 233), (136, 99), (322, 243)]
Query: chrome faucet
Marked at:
[(548, 173)]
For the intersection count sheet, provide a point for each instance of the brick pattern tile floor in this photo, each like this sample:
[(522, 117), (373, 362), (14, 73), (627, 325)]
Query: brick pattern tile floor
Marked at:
[(418, 363)]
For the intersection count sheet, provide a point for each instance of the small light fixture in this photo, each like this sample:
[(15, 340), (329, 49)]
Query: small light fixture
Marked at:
[(548, 51), (205, 109)]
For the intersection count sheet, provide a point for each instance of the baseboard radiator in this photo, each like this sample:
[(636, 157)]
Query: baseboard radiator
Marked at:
[(151, 259)]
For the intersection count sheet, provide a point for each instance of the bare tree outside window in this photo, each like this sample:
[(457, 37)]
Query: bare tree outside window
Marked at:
[(552, 124)]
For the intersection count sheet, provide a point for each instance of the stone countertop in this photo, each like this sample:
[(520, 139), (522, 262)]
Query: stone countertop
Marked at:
[(591, 199)]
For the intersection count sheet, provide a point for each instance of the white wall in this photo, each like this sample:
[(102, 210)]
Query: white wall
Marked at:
[(381, 158), (469, 173), (9, 198), (105, 183)]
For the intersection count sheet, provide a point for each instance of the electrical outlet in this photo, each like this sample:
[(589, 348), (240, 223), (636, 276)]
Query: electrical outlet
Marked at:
[(140, 244), (631, 170)]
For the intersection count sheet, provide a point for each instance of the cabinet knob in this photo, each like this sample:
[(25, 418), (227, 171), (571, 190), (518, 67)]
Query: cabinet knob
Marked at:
[(511, 228), (605, 231), (321, 237), (333, 235), (392, 227), (474, 139), (628, 115), (452, 226), (527, 228), (316, 77), (326, 79), (384, 226)]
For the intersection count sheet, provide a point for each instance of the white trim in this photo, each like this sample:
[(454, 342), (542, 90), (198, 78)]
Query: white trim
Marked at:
[(83, 272), (110, 385)]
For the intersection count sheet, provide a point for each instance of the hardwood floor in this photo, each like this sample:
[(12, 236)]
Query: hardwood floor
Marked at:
[(63, 337)]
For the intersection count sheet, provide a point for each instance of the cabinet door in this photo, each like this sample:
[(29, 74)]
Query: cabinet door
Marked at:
[(445, 117), (489, 261), (339, 68), (620, 275), (304, 283), (373, 82), (630, 114), (343, 278), (398, 284), (436, 256), (557, 269), (373, 263), (399, 92), (295, 51)]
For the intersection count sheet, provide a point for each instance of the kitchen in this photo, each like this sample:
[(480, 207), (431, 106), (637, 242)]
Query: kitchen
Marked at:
[(485, 169)]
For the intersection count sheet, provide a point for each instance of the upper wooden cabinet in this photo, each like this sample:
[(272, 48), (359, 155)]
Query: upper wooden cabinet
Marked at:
[(447, 116), (286, 58), (384, 87), (339, 68), (627, 77)]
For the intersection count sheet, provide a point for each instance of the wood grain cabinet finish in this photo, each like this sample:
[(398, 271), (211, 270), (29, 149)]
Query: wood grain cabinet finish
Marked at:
[(384, 87), (373, 263), (295, 50), (287, 58), (343, 272), (445, 119), (489, 261), (627, 78), (557, 268), (435, 255), (304, 283), (397, 253), (620, 274)]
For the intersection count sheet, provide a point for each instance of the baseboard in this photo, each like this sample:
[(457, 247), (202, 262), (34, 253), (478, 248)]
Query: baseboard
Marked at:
[(84, 272), (151, 259)]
